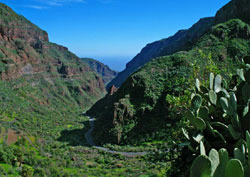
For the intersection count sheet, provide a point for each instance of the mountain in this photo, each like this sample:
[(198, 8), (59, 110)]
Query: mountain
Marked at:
[(39, 78), (27, 54), (163, 47), (104, 71), (139, 111), (44, 89), (152, 97), (234, 9)]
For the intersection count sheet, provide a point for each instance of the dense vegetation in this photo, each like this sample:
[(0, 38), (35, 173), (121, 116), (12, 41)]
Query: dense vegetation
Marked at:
[(44, 90), (220, 121), (178, 42), (235, 9), (150, 98), (50, 141)]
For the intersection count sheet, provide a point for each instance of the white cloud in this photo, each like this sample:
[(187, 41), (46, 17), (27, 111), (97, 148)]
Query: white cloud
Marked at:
[(36, 7), (106, 1), (45, 4), (54, 3), (59, 2)]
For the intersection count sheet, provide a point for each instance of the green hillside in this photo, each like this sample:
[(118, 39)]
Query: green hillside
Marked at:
[(150, 98), (44, 89), (235, 9), (178, 42), (41, 82)]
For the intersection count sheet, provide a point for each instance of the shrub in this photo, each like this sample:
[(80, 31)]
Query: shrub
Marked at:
[(220, 120)]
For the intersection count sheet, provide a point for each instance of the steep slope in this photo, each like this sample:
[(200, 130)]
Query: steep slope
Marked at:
[(39, 78), (104, 71), (163, 47), (138, 111), (44, 88), (234, 9), (14, 26)]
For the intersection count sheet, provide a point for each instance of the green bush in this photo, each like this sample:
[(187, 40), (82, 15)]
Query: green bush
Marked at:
[(27, 171), (220, 120)]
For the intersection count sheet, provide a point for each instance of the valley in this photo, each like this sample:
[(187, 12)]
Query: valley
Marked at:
[(180, 108)]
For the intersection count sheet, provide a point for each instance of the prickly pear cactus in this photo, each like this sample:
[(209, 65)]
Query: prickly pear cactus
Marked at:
[(220, 119), (218, 164)]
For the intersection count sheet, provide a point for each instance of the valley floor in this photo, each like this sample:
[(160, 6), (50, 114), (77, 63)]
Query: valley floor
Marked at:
[(70, 155)]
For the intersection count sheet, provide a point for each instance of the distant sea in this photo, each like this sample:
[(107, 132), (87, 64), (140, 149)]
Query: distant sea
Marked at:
[(115, 63)]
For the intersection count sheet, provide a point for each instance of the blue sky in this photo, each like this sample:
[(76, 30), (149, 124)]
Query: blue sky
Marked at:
[(113, 31)]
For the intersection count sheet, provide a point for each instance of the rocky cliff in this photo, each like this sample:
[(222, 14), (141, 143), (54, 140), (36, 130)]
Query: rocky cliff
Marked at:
[(167, 46), (14, 26), (150, 99), (27, 56), (239, 9), (234, 9), (143, 105), (104, 71)]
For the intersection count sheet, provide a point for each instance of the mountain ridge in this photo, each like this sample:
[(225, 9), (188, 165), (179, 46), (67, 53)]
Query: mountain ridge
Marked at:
[(148, 99), (26, 52), (41, 79), (103, 70), (234, 9), (160, 48), (140, 110)]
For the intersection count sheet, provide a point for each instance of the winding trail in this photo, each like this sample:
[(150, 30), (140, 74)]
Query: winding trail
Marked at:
[(91, 143)]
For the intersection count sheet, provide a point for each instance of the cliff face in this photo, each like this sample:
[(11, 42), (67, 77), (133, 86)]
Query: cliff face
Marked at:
[(26, 54), (163, 47), (13, 26), (234, 9), (104, 71), (140, 109)]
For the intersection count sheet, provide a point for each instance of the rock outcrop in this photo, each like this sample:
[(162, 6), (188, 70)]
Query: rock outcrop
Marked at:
[(112, 90), (26, 54), (142, 107), (163, 47), (235, 9), (103, 70), (14, 26), (239, 9)]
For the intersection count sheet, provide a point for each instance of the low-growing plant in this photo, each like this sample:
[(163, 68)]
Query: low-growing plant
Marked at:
[(220, 120)]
